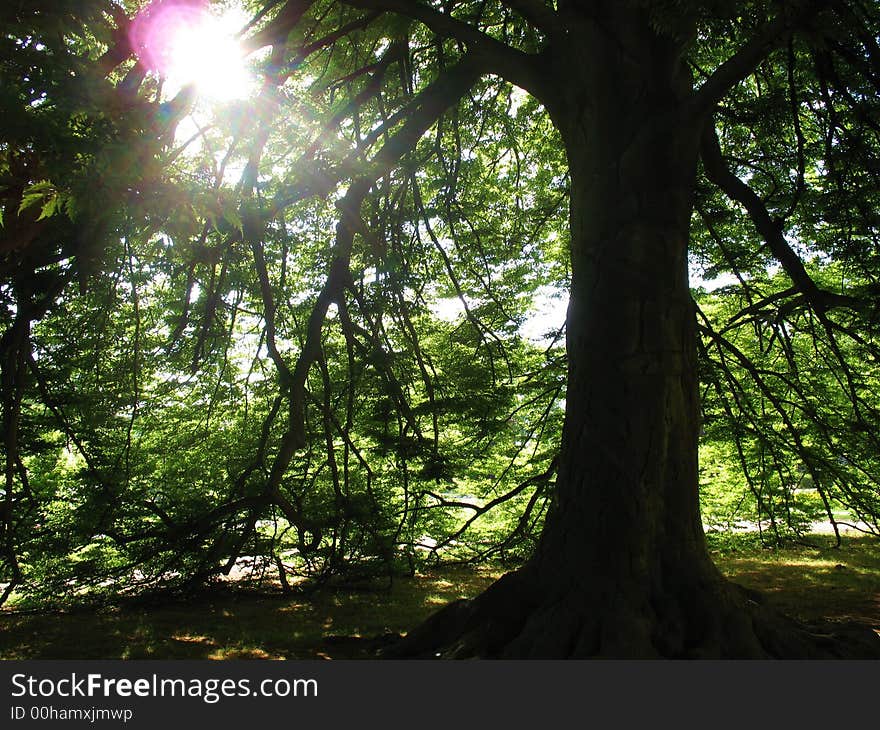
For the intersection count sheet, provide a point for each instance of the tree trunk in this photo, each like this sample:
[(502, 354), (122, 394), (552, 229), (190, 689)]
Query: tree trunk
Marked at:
[(624, 537), (622, 569)]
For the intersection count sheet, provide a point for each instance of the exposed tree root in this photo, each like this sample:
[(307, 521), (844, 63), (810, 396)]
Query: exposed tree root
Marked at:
[(517, 618)]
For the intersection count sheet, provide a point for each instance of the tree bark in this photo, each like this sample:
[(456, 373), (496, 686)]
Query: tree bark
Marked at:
[(622, 568), (624, 533)]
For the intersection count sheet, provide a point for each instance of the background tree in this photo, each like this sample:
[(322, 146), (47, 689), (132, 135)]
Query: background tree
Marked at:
[(416, 152)]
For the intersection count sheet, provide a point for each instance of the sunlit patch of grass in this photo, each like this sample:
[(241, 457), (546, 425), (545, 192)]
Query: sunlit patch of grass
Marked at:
[(192, 639), (443, 584), (436, 600), (242, 653), (814, 581)]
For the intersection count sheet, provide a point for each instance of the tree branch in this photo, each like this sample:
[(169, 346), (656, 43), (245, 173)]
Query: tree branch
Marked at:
[(769, 228), (538, 13), (435, 100), (736, 68), (515, 66), (417, 117), (276, 32)]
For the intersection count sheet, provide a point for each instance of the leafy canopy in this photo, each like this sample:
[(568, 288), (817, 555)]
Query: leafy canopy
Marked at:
[(288, 330)]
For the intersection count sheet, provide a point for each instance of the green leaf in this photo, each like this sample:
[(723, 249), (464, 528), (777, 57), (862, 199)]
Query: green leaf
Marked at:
[(54, 205), (37, 193), (233, 218)]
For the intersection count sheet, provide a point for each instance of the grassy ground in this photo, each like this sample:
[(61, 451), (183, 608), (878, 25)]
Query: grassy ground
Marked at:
[(229, 624), (810, 583)]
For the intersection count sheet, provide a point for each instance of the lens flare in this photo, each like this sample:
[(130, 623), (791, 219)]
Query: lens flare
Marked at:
[(186, 44)]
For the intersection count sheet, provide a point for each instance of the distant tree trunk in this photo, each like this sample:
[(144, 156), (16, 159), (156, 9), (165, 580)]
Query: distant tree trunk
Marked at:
[(622, 569)]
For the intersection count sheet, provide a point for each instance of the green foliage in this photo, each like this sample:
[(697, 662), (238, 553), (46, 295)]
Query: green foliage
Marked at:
[(260, 366)]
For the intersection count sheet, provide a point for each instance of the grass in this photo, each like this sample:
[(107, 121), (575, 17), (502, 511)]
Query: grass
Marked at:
[(810, 583), (229, 624)]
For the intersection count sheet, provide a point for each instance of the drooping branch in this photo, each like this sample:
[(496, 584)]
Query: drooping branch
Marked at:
[(769, 228), (370, 345), (797, 406), (15, 351), (434, 101), (429, 104), (537, 481), (425, 109)]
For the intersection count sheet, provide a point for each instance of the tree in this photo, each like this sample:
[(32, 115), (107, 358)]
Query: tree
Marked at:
[(622, 568), (724, 129)]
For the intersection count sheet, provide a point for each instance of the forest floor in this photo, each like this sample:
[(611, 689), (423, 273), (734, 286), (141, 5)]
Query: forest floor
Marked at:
[(812, 583)]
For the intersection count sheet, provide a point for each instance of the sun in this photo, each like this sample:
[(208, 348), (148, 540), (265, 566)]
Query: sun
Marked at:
[(187, 44)]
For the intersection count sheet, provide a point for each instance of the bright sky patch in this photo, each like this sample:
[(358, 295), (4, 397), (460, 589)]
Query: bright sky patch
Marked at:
[(187, 44)]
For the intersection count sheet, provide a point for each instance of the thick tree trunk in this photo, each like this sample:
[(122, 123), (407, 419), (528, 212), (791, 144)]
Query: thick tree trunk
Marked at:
[(622, 569), (624, 534)]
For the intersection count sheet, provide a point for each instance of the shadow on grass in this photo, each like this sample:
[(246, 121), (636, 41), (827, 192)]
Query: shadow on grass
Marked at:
[(814, 584), (225, 624)]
